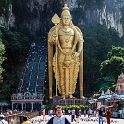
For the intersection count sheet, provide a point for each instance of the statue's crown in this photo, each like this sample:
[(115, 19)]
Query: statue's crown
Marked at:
[(65, 11), (65, 7)]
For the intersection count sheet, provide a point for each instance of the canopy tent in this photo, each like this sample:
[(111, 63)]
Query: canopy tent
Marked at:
[(4, 104), (112, 96)]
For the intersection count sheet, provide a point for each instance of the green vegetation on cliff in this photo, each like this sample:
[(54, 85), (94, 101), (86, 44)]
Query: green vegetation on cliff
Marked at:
[(2, 58), (98, 42), (110, 69), (114, 63), (4, 8)]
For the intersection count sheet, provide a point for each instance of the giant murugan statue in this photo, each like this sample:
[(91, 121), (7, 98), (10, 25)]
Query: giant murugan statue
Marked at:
[(67, 62)]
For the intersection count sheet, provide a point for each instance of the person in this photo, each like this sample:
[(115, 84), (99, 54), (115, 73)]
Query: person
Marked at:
[(120, 111), (77, 116), (100, 115), (44, 115), (51, 112), (123, 113), (12, 121), (63, 111), (59, 118), (72, 115), (88, 112), (2, 121), (94, 113), (69, 112), (25, 120), (67, 60), (108, 115), (80, 112), (84, 113)]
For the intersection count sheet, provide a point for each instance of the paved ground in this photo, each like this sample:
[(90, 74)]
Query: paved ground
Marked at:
[(83, 120)]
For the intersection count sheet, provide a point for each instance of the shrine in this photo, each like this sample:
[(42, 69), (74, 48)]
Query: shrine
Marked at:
[(120, 84)]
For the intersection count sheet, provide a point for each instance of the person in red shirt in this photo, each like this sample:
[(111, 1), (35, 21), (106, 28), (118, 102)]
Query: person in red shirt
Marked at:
[(108, 115)]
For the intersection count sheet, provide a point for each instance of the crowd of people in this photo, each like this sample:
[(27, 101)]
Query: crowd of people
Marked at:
[(76, 114), (58, 115)]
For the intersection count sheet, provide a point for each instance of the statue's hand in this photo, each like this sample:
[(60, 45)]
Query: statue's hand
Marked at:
[(77, 54), (53, 39)]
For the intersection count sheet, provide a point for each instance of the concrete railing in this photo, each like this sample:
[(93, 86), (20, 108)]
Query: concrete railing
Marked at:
[(17, 118)]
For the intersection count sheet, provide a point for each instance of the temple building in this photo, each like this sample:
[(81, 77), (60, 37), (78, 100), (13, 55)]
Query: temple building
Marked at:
[(114, 99), (120, 84)]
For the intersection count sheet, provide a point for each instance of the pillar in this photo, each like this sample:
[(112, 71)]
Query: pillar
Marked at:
[(41, 105), (1, 108), (13, 106), (22, 105), (32, 106)]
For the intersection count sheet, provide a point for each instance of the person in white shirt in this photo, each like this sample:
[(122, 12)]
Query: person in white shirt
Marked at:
[(59, 118), (84, 113), (51, 112), (69, 112), (63, 111), (72, 115), (2, 121)]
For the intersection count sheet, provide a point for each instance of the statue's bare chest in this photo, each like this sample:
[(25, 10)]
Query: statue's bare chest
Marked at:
[(66, 35)]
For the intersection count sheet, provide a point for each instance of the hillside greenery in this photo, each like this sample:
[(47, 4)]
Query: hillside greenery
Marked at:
[(98, 42), (2, 58), (110, 69), (16, 47)]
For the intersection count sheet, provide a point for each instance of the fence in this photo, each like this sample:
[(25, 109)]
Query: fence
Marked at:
[(17, 118)]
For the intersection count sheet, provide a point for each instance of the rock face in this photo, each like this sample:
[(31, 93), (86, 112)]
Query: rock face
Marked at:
[(35, 15), (120, 84), (109, 15)]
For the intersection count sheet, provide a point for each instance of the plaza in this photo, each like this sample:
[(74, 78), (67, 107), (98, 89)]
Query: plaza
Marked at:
[(83, 120)]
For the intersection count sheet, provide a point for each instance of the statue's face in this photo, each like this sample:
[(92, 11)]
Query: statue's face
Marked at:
[(66, 20)]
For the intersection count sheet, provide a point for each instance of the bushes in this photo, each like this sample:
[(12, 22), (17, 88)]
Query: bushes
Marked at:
[(82, 107)]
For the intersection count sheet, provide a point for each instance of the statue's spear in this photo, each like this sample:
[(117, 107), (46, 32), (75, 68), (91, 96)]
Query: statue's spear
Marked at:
[(56, 21)]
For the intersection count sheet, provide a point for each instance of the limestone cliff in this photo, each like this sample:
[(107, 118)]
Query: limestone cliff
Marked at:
[(35, 15)]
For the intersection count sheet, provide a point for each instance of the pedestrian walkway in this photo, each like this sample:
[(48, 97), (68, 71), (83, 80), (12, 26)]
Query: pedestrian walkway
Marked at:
[(83, 120)]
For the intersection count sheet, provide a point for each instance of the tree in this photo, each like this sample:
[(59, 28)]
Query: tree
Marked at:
[(2, 58), (16, 46), (114, 63), (104, 83), (98, 42), (96, 46)]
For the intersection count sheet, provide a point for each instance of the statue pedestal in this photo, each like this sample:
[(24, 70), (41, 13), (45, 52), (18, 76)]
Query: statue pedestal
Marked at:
[(58, 100)]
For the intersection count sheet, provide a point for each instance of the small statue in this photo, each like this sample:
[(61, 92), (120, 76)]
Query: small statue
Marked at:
[(108, 91), (103, 92), (67, 61)]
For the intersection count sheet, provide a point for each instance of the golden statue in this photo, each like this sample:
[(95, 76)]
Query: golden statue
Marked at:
[(67, 61)]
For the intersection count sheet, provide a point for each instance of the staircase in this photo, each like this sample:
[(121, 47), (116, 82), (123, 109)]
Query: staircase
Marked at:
[(33, 75)]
